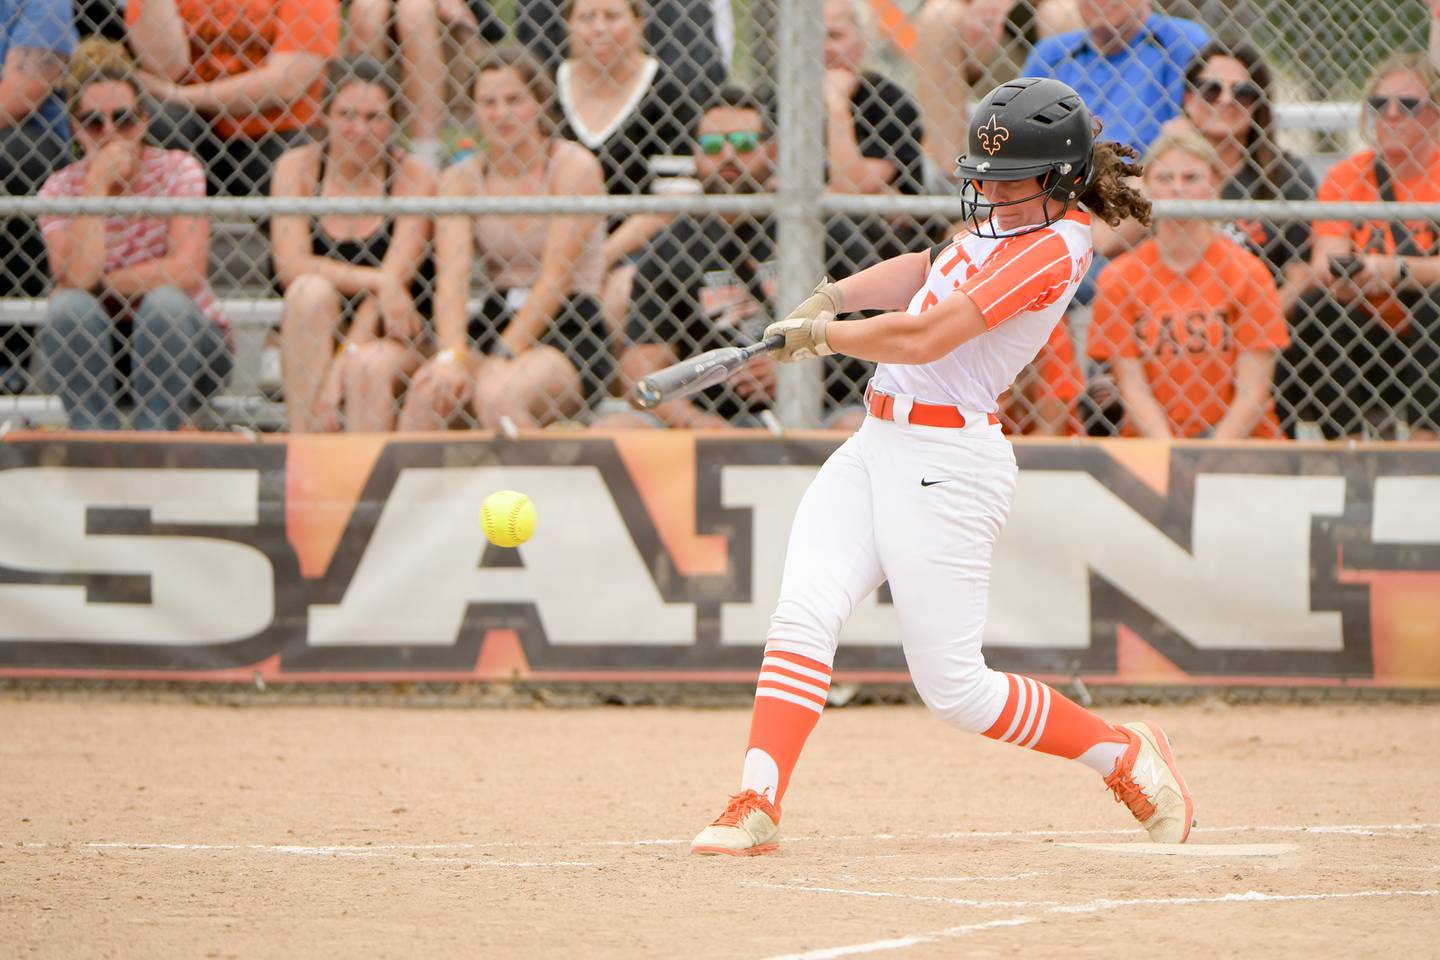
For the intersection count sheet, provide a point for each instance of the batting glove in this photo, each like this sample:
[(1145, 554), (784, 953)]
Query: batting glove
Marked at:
[(804, 328)]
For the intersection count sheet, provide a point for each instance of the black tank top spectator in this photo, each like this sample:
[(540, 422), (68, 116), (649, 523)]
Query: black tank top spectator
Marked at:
[(354, 286), (628, 108)]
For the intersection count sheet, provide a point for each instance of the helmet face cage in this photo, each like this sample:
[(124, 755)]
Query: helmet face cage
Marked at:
[(980, 214)]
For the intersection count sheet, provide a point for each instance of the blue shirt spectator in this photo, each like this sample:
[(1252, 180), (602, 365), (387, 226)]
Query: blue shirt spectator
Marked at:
[(36, 39), (1128, 65), (44, 29)]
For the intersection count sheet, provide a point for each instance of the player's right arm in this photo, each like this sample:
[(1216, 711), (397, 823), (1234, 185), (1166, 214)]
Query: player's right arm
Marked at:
[(906, 337), (887, 285)]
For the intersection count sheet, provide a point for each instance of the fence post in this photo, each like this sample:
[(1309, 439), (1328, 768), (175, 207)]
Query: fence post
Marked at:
[(800, 229)]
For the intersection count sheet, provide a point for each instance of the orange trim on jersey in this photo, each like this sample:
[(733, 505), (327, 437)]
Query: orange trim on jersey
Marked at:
[(799, 661), (1016, 278)]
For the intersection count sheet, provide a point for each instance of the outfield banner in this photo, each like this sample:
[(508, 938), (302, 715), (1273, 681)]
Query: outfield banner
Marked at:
[(658, 557)]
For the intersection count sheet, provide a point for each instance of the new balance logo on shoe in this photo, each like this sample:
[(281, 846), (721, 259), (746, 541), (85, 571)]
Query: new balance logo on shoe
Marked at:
[(1148, 775)]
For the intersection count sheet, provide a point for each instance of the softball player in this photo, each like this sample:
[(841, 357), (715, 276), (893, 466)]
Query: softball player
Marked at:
[(918, 495)]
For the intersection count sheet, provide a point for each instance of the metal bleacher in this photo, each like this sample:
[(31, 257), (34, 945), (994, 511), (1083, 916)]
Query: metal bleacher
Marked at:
[(239, 265)]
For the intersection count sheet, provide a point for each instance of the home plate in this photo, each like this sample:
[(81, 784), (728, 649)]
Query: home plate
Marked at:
[(1188, 849)]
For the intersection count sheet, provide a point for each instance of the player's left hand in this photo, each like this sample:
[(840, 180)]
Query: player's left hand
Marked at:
[(804, 336)]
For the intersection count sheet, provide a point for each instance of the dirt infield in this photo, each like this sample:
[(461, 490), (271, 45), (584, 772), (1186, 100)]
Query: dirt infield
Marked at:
[(155, 830)]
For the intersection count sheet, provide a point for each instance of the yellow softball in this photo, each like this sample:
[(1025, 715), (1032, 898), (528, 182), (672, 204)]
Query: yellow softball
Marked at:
[(508, 518)]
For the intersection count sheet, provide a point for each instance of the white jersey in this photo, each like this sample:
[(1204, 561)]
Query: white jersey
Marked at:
[(1021, 285)]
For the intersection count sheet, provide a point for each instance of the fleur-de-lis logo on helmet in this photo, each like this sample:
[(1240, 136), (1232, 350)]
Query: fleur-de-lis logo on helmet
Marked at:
[(992, 135)]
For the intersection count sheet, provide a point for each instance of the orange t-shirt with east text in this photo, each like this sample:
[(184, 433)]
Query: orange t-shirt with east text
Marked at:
[(231, 37), (1354, 179), (1189, 330)]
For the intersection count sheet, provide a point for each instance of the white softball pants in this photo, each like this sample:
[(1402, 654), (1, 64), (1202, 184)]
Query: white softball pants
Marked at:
[(867, 518)]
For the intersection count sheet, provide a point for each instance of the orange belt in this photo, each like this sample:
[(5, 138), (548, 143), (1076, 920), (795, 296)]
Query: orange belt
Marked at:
[(882, 405)]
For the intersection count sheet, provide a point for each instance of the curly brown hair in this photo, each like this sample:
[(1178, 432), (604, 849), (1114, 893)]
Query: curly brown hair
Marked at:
[(1108, 196)]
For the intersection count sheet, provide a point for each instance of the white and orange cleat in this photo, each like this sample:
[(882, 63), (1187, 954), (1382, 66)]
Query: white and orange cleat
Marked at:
[(749, 827), (1147, 781)]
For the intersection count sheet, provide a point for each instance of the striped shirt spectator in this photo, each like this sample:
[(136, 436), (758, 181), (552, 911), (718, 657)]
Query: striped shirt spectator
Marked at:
[(132, 240)]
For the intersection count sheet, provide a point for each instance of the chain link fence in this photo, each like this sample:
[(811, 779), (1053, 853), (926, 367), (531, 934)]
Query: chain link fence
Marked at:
[(431, 214)]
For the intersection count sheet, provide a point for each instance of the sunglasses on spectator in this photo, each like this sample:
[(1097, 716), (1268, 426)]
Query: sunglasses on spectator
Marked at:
[(744, 141), (125, 119), (1245, 94), (1409, 106)]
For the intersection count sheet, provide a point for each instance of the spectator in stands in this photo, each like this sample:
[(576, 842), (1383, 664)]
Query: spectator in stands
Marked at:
[(628, 108), (352, 282), (872, 131), (695, 39), (1364, 358), (422, 31), (36, 37), (966, 45), (1128, 64), (1189, 320), (1041, 402), (131, 293), (241, 82), (1228, 100), (536, 352), (709, 281)]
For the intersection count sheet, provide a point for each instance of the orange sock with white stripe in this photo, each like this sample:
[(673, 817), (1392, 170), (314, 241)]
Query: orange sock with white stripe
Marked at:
[(788, 699), (1038, 717)]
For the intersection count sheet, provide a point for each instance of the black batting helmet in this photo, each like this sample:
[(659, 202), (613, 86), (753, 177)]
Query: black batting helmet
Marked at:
[(1031, 127)]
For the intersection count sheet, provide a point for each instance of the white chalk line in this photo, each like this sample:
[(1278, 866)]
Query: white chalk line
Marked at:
[(854, 878), (1049, 908), (403, 853), (915, 897), (1366, 829), (899, 943)]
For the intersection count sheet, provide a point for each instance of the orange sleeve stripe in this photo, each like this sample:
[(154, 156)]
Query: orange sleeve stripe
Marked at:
[(1004, 260), (1022, 279), (1024, 298)]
